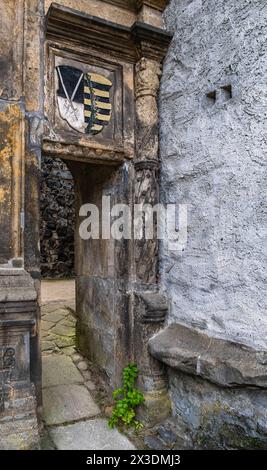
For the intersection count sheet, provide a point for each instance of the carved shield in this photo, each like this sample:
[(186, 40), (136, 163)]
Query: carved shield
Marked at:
[(83, 99)]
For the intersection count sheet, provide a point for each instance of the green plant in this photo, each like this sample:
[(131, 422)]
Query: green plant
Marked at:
[(127, 398)]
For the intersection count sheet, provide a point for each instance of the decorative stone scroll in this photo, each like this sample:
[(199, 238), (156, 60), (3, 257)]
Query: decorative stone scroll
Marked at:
[(150, 310)]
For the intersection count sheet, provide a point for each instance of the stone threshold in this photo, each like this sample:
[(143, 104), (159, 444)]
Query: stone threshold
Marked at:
[(223, 362)]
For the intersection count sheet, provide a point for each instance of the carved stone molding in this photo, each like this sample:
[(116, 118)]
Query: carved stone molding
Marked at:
[(105, 36), (126, 4), (151, 42), (135, 5), (88, 153), (156, 307), (157, 4), (146, 185), (129, 43), (146, 165)]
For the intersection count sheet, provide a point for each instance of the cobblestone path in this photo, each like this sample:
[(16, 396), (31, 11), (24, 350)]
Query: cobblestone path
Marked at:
[(71, 415)]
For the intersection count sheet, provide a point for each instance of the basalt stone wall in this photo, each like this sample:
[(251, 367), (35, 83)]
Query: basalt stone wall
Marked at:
[(213, 114), (57, 219)]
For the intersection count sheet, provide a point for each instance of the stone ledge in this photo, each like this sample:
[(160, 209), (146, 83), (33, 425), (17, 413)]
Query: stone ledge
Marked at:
[(222, 362), (16, 285)]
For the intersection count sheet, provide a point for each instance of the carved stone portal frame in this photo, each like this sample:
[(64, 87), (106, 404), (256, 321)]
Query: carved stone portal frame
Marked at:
[(60, 140), (116, 280)]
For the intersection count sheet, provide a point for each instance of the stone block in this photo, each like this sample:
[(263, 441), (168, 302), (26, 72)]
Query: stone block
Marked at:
[(67, 403), (220, 361), (59, 370), (90, 435)]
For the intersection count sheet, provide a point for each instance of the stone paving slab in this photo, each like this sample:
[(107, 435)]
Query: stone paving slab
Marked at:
[(59, 370), (72, 418), (48, 308), (62, 330), (54, 316), (63, 341), (90, 435), (57, 290), (46, 325), (69, 321), (67, 403), (48, 345)]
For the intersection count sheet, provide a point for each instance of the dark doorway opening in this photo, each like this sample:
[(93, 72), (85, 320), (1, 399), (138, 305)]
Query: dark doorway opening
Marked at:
[(57, 205)]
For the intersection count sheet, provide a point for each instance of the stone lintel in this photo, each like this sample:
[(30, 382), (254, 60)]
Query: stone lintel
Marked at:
[(220, 361), (87, 152), (121, 41)]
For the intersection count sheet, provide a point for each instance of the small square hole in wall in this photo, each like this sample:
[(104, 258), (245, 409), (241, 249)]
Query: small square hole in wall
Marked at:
[(210, 99), (226, 92)]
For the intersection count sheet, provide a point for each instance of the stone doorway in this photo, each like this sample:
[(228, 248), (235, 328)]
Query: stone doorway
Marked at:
[(72, 358)]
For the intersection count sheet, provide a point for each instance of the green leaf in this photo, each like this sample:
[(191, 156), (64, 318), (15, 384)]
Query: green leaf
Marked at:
[(127, 398)]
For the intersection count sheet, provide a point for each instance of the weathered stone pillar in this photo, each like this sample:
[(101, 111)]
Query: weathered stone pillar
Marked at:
[(20, 106), (149, 305), (146, 163), (18, 420)]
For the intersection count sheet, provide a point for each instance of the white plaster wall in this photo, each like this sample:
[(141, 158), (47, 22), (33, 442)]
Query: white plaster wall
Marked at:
[(214, 159)]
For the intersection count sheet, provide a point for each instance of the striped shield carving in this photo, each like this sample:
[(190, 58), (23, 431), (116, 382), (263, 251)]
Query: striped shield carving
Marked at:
[(84, 99)]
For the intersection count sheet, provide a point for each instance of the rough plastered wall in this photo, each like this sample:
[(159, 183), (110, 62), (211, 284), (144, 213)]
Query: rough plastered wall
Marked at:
[(213, 152)]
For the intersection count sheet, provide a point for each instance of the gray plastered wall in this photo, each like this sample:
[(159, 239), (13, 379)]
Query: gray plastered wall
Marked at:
[(213, 158)]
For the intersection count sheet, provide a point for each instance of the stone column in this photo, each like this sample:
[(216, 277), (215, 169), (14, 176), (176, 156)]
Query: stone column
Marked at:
[(146, 163), (149, 305)]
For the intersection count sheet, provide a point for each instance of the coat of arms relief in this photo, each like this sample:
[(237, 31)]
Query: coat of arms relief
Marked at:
[(83, 99)]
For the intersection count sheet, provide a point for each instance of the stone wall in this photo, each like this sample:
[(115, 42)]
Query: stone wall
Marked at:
[(211, 417), (213, 151), (57, 219)]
